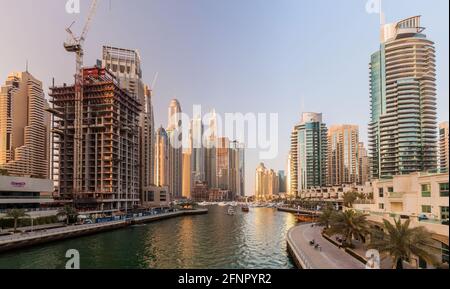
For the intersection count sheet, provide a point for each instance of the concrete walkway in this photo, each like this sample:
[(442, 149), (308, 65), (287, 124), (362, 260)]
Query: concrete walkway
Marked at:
[(307, 257)]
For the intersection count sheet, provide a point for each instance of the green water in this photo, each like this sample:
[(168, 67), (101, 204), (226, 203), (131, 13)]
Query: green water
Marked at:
[(255, 240)]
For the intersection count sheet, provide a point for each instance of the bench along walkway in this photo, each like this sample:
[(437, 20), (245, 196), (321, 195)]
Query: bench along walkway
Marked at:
[(307, 257)]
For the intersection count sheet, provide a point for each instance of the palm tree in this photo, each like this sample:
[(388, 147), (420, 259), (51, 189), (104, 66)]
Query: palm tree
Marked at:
[(16, 214), (326, 216), (401, 242), (350, 225), (68, 212), (350, 198)]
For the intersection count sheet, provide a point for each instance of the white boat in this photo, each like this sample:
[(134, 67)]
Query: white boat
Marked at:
[(203, 204), (231, 211), (222, 204)]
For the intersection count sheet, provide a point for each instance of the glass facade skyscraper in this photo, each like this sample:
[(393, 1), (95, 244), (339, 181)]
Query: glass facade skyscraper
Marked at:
[(402, 130)]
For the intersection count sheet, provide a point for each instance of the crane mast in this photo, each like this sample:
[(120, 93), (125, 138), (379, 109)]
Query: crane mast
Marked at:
[(75, 45)]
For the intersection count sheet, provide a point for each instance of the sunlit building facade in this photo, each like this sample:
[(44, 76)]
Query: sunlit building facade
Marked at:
[(402, 130)]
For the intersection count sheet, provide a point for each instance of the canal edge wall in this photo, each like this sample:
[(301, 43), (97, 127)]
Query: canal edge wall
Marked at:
[(299, 257), (81, 232)]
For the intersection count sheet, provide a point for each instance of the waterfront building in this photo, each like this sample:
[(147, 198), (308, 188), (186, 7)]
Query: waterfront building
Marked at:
[(343, 145), (363, 165), (288, 175), (308, 153), (110, 166), (24, 127), (174, 133), (125, 65), (162, 158), (25, 193), (156, 197), (402, 130), (422, 198), (443, 146)]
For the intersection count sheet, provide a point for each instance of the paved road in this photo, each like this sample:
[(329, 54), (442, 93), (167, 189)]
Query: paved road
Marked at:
[(330, 257)]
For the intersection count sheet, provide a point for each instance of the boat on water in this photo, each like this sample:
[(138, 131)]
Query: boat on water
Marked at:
[(231, 211), (245, 209), (222, 204)]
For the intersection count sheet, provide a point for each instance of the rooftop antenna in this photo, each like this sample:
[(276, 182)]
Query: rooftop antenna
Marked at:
[(26, 67)]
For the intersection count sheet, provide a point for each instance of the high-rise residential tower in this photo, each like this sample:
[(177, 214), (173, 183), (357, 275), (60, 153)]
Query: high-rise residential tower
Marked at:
[(363, 165), (211, 151), (162, 158), (197, 151), (24, 127), (266, 183), (147, 142), (343, 142), (308, 153), (402, 130), (443, 146), (110, 166), (175, 136)]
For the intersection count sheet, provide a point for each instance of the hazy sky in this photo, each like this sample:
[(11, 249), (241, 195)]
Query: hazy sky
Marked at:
[(279, 56)]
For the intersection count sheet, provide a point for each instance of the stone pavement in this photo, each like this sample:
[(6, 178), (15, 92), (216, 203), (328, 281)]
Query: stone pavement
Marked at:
[(329, 257)]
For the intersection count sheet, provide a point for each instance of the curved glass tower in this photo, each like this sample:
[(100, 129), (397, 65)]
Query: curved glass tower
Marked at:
[(403, 127)]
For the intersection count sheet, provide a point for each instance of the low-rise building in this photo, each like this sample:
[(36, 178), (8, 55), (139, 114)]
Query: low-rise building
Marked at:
[(155, 197), (421, 198), (25, 193)]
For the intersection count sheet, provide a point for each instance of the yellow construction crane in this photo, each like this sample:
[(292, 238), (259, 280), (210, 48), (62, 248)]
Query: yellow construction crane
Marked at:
[(75, 45)]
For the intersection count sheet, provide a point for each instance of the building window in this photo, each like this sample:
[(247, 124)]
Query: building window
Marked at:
[(444, 213), (443, 189), (381, 192), (150, 196), (391, 189), (381, 206), (426, 209), (426, 190)]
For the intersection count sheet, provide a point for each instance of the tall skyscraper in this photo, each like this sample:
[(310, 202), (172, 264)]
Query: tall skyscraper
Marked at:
[(147, 143), (343, 142), (282, 181), (174, 133), (443, 146), (309, 153), (402, 130), (162, 158), (187, 174), (288, 174), (237, 168), (223, 163), (211, 151), (197, 151), (266, 183), (363, 165), (125, 65), (24, 127), (110, 166)]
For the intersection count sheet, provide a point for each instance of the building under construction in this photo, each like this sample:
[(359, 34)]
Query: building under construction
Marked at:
[(110, 144)]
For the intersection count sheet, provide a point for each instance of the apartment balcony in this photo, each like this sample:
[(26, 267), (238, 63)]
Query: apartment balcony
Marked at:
[(396, 197)]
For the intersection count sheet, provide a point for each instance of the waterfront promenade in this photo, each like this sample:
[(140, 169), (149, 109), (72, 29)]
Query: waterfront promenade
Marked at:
[(307, 257), (16, 241)]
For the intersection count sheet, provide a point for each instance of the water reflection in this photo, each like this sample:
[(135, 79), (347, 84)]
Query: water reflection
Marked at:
[(254, 240)]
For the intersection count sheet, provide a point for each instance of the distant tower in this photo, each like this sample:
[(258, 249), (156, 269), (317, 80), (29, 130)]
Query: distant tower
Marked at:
[(162, 158), (174, 133)]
